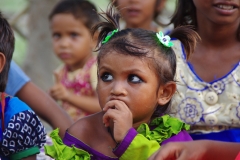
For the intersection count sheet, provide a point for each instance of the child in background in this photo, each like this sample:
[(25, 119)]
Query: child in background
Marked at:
[(71, 22), (20, 85), (141, 14), (208, 96), (136, 70), (21, 131)]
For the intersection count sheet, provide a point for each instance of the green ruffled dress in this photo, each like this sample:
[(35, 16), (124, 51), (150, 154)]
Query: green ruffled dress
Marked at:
[(145, 143)]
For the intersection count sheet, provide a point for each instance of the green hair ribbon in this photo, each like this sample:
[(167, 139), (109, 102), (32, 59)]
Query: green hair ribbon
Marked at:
[(109, 35), (165, 40)]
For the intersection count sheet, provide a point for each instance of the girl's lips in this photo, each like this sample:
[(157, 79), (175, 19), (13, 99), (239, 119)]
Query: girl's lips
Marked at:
[(226, 9), (64, 55), (133, 12)]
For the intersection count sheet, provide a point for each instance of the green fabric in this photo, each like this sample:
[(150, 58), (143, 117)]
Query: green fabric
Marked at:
[(166, 127), (140, 148), (25, 153), (143, 145), (147, 142), (60, 151)]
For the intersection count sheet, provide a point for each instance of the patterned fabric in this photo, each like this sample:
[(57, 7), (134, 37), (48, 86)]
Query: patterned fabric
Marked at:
[(208, 107), (23, 130), (42, 155), (80, 83)]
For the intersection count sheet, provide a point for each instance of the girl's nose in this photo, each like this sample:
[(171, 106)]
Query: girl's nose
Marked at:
[(119, 88), (64, 42)]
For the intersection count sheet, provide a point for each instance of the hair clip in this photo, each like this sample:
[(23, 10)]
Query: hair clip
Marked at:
[(109, 35), (165, 40)]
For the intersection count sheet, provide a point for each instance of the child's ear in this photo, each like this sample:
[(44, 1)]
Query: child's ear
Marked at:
[(166, 92), (161, 5), (95, 39), (2, 61)]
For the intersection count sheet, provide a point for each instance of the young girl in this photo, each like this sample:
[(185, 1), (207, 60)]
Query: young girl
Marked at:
[(21, 131), (76, 80), (208, 96), (141, 14), (135, 86)]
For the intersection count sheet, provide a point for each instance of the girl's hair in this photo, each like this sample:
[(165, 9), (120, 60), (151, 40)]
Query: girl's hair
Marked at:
[(185, 14), (80, 9), (156, 12), (144, 43), (7, 48)]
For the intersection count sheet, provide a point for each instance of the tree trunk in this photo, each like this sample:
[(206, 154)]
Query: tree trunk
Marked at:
[(40, 60)]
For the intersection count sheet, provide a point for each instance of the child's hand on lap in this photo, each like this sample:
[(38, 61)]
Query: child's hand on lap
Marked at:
[(58, 91), (121, 116)]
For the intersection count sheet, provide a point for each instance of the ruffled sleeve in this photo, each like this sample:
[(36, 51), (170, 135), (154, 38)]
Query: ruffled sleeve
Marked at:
[(23, 136), (60, 151), (148, 141), (165, 127)]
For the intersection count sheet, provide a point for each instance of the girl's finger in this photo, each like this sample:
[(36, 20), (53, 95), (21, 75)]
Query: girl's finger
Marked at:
[(115, 104), (110, 114)]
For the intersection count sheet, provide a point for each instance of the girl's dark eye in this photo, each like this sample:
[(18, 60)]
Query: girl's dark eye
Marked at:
[(56, 36), (134, 79), (106, 77), (73, 35)]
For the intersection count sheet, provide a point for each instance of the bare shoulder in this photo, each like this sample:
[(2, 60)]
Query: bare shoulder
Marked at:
[(86, 127)]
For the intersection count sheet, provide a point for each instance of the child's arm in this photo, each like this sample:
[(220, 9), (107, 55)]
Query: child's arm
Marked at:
[(132, 145), (86, 103), (45, 106), (203, 149), (135, 146)]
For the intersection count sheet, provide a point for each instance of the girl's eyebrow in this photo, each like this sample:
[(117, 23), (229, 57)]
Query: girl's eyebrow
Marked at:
[(108, 68), (104, 67)]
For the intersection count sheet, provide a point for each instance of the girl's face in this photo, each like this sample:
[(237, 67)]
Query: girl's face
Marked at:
[(131, 80), (72, 41), (136, 13), (218, 11)]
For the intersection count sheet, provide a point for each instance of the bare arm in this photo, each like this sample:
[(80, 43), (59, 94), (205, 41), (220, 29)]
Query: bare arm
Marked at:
[(86, 103), (45, 107), (197, 150)]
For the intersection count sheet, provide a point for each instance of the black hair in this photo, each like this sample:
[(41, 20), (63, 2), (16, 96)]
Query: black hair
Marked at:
[(144, 43), (80, 9), (185, 14), (7, 48)]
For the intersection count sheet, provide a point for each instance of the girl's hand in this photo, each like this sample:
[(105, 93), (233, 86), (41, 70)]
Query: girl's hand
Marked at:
[(119, 113), (58, 91), (194, 150)]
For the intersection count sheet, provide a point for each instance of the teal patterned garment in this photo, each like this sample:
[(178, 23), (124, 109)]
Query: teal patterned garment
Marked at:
[(22, 133)]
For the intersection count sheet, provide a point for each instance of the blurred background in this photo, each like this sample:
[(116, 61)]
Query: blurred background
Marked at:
[(33, 51)]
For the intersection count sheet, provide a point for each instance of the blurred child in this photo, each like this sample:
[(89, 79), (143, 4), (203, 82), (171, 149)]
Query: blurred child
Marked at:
[(20, 85), (136, 70), (71, 22), (141, 14), (208, 96), (21, 131)]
